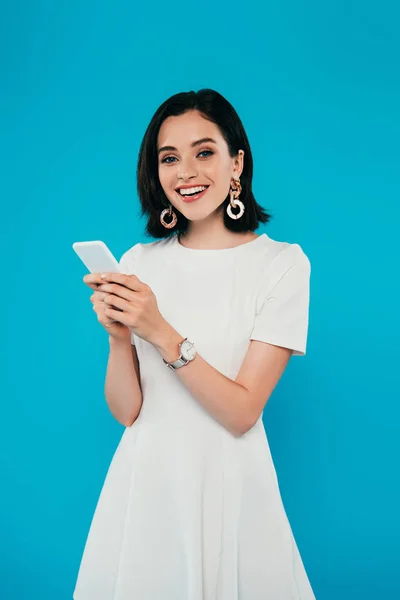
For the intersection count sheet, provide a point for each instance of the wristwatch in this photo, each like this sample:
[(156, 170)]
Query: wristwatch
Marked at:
[(188, 353)]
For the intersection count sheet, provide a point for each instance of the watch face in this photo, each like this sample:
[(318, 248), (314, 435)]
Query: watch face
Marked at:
[(188, 351)]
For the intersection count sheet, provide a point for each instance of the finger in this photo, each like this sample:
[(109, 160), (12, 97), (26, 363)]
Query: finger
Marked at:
[(104, 320), (116, 302), (97, 296), (98, 307), (92, 278), (101, 317), (131, 282), (93, 286), (119, 290), (116, 316)]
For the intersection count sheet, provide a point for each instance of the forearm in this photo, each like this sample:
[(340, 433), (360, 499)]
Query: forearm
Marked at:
[(122, 387), (222, 397)]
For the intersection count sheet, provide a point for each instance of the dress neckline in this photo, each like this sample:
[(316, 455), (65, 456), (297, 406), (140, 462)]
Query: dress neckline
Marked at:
[(213, 251)]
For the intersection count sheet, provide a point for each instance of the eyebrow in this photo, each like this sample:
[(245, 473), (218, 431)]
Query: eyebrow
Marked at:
[(193, 144)]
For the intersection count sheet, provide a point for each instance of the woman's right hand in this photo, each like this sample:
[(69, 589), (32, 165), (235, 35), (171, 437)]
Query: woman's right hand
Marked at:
[(117, 330)]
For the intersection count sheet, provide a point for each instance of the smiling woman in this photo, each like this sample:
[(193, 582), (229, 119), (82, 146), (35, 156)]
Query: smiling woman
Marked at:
[(191, 508), (196, 139)]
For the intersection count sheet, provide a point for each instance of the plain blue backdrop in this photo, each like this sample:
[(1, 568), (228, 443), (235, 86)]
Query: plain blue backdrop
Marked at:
[(317, 87)]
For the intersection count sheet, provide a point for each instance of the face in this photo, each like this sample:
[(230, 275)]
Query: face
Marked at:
[(193, 155)]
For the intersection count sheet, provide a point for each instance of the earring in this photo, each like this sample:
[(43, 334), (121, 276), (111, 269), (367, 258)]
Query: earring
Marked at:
[(234, 192), (171, 214)]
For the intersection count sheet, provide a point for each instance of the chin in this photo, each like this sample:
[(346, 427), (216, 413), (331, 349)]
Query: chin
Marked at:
[(197, 213)]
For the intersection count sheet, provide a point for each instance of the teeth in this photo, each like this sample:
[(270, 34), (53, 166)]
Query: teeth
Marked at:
[(192, 190)]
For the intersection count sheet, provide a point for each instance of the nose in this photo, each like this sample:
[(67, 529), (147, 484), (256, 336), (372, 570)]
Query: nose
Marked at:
[(186, 169)]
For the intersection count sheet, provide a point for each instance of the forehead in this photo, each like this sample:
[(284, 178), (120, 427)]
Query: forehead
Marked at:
[(185, 129)]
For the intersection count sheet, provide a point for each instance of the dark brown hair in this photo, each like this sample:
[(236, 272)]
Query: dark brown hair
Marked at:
[(214, 107)]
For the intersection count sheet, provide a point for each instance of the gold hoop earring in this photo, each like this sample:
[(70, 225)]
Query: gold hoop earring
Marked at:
[(171, 214), (234, 192)]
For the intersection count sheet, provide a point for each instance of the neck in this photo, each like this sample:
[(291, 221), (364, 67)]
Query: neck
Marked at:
[(212, 237)]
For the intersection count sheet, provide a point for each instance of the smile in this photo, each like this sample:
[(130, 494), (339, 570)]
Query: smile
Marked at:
[(192, 194)]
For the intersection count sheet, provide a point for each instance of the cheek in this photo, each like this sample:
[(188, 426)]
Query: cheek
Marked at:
[(209, 174), (218, 171)]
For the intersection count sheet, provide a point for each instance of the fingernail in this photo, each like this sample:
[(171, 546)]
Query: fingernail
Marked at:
[(103, 275)]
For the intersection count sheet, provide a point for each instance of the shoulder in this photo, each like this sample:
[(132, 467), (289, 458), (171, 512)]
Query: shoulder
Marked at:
[(281, 262), (136, 253), (284, 255), (129, 258)]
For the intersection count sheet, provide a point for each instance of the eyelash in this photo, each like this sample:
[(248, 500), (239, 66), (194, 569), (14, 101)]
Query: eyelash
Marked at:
[(164, 160)]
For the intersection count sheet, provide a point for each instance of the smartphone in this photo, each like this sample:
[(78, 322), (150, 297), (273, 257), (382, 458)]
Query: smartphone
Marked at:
[(97, 257)]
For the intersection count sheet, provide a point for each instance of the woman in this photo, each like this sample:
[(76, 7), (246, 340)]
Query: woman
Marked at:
[(201, 327)]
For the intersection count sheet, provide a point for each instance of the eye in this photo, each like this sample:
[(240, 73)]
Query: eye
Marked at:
[(165, 159), (170, 159)]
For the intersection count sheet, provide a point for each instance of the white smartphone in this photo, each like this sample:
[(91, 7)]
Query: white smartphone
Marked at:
[(97, 257)]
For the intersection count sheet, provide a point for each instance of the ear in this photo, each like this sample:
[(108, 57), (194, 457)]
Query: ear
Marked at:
[(238, 163)]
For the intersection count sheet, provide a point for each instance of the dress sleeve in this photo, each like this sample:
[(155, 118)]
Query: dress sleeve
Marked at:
[(128, 263), (283, 303)]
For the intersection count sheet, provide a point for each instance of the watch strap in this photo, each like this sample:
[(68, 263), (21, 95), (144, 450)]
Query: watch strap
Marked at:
[(180, 361)]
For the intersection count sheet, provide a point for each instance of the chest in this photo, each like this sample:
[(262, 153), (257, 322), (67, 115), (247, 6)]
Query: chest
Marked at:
[(215, 308)]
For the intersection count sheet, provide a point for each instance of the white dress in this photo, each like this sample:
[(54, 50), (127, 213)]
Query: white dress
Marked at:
[(188, 511)]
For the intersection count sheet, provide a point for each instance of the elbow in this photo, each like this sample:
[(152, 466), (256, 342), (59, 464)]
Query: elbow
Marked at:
[(243, 427), (128, 419), (129, 422), (248, 421)]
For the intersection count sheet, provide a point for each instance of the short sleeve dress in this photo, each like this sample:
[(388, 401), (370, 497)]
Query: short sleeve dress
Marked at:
[(189, 511)]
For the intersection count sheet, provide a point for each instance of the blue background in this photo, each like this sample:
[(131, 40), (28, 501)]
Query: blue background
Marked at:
[(317, 87)]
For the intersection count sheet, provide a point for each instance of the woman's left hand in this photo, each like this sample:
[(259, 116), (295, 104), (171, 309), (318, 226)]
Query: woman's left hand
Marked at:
[(138, 304)]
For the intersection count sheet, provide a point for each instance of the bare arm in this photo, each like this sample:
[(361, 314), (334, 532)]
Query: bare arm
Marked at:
[(122, 385), (236, 405)]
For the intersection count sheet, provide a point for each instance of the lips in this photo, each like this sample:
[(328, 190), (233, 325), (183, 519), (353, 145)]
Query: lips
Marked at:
[(188, 199)]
